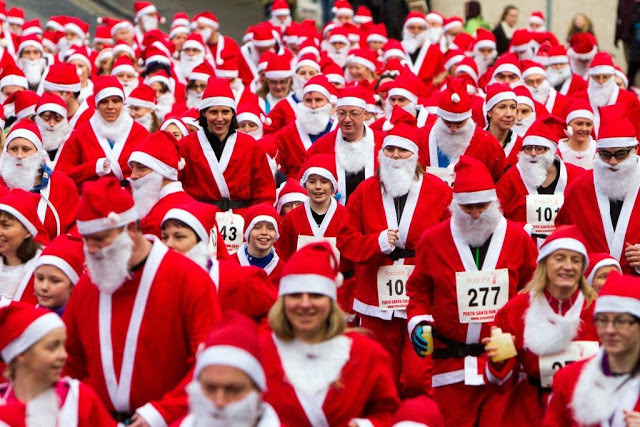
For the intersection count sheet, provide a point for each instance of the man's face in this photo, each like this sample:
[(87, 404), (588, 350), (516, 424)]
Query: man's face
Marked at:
[(416, 29), (398, 100), (523, 111), (474, 210), (454, 126), (534, 80), (124, 34), (51, 118), (506, 77), (601, 78), (223, 384), (486, 51), (30, 52), (191, 51), (615, 156), (138, 170), (314, 100), (96, 241), (350, 119)]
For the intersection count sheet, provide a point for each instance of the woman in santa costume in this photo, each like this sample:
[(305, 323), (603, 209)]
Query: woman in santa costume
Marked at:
[(382, 225), (552, 325), (604, 389), (235, 167), (278, 84), (23, 165), (600, 266), (316, 374), (102, 146), (32, 346), (228, 379), (500, 107), (579, 148)]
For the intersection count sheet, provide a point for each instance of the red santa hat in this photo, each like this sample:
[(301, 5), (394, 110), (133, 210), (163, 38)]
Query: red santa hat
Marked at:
[(79, 54), (546, 131), (393, 49), (278, 67), (78, 27), (107, 86), (31, 40), (13, 76), (145, 8), (622, 76), (523, 96), (402, 136), (142, 96), (313, 269), (464, 42), (280, 8), (160, 76), (102, 35), (473, 183), (453, 22), (22, 326), (507, 62), (217, 94), (405, 85), (178, 29), (334, 73), (308, 60), (27, 129), (435, 17), (190, 117), (558, 55), (250, 111), (207, 18), (56, 23), (579, 108), (263, 35), (453, 57), (202, 72), (200, 217), (598, 260), (307, 47), (123, 47), (229, 67), (468, 66), (582, 46), (352, 96), (378, 33), (25, 102), (50, 39), (602, 64), (342, 7), (15, 16), (497, 93), (104, 206), (520, 41), (66, 253), (363, 15), (180, 19), (159, 152), (51, 102), (233, 342), (124, 64), (415, 18), (194, 41), (620, 294), (537, 17), (484, 39), (23, 205), (339, 35), (290, 192), (323, 165), (154, 54), (321, 84), (564, 237), (262, 212), (62, 77), (2, 118), (419, 411), (616, 130), (530, 68), (400, 116), (177, 122), (454, 104)]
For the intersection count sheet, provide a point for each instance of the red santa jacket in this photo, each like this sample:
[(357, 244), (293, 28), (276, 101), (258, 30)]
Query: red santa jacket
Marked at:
[(557, 103), (573, 85), (293, 142), (620, 96), (78, 405), (483, 146), (283, 113), (429, 62), (171, 196), (537, 329), (364, 228), (590, 212), (512, 190), (432, 289), (169, 293), (79, 155), (365, 388), (242, 173), (81, 116)]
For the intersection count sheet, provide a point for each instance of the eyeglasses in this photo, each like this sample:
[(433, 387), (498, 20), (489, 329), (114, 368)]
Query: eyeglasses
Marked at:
[(197, 86), (619, 155), (352, 114), (536, 148), (277, 82), (620, 324)]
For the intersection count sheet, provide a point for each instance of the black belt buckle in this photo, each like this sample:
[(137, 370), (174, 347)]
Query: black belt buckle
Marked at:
[(224, 204), (459, 352), (123, 417)]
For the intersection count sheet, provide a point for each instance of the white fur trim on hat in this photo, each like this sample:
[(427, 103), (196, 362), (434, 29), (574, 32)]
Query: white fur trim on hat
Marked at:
[(338, 38), (26, 134), (585, 56), (52, 106), (323, 173), (452, 24), (310, 283), (511, 68), (180, 29), (31, 43), (153, 163), (31, 335), (147, 11), (602, 69), (415, 20), (107, 92), (176, 123), (260, 218), (353, 59), (209, 22), (539, 140), (21, 218), (316, 88), (113, 220), (376, 38), (229, 355), (193, 44), (124, 68), (435, 17), (335, 78), (26, 112), (602, 263), (558, 59), (453, 117), (264, 43), (62, 264), (351, 101), (533, 19), (251, 117), (526, 101), (158, 58), (308, 63), (217, 101), (189, 219), (14, 80), (394, 53), (226, 74), (498, 98), (398, 141), (582, 114), (453, 61), (49, 86), (564, 243), (616, 142), (290, 197), (463, 68), (76, 30), (617, 304), (279, 74), (472, 197), (484, 43), (533, 70), (203, 77), (520, 47), (396, 91), (137, 102)]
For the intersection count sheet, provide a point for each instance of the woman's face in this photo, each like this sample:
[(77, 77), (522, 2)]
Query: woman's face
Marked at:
[(306, 72), (581, 129), (619, 333), (12, 234), (125, 76), (503, 114), (181, 239), (308, 314), (46, 358), (359, 72), (601, 276), (279, 88), (564, 269), (218, 120), (136, 111), (52, 286), (173, 129)]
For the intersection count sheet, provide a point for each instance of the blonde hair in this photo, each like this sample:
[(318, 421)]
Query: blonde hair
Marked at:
[(540, 281), (281, 326)]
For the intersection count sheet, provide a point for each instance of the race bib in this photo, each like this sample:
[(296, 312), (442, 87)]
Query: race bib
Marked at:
[(231, 227), (212, 245), (481, 294), (542, 210), (577, 350), (305, 240), (392, 287), (445, 174)]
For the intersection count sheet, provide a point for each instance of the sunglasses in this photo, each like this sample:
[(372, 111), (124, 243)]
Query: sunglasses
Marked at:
[(619, 155)]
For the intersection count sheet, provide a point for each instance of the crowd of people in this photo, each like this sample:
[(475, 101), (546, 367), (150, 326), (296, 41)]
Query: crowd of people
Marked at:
[(315, 227)]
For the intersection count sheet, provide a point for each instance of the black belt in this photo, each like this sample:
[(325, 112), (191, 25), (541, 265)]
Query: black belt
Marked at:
[(227, 204), (399, 253), (455, 349), (123, 417), (536, 383), (348, 274)]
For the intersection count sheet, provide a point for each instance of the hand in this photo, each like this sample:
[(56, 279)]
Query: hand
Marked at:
[(631, 419), (138, 421), (106, 166), (352, 424), (632, 254), (393, 236), (419, 343)]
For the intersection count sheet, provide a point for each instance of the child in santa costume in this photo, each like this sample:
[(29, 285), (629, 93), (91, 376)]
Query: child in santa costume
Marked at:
[(32, 346), (316, 374), (290, 196), (600, 266), (552, 325), (604, 389)]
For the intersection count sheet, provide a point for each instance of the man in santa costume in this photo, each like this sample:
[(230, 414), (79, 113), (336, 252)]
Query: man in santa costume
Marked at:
[(604, 202), (312, 122), (582, 50), (135, 287), (250, 53), (603, 390), (155, 162), (31, 59), (191, 55), (232, 162), (477, 245), (51, 119), (353, 143), (559, 73), (484, 50), (540, 172), (102, 146), (454, 134), (23, 165), (228, 378), (146, 18), (507, 70), (535, 79), (425, 59), (207, 25), (380, 229)]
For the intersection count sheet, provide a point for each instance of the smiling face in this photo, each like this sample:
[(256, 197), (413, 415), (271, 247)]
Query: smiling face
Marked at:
[(218, 120), (564, 269), (308, 314), (262, 237), (12, 234), (319, 189), (582, 128), (45, 359), (619, 333), (110, 108)]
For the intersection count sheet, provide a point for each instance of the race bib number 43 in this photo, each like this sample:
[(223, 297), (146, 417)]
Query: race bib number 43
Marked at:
[(481, 294), (577, 350), (542, 210), (231, 227), (392, 287)]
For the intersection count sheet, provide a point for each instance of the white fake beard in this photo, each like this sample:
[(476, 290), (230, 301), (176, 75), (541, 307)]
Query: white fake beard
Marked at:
[(541, 93), (397, 175), (129, 86), (206, 34), (21, 173), (579, 67), (412, 42), (188, 63), (612, 184), (483, 62), (409, 108), (149, 23), (43, 410), (164, 104), (453, 145), (434, 34), (32, 69), (298, 86), (534, 174), (113, 131), (199, 254), (558, 77), (53, 136), (108, 268), (600, 95), (146, 192), (353, 155), (146, 121), (338, 55), (522, 126), (313, 120), (475, 232), (242, 413), (193, 99), (525, 54), (256, 134)]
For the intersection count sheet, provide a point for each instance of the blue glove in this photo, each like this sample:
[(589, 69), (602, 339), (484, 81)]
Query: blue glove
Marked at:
[(419, 343)]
